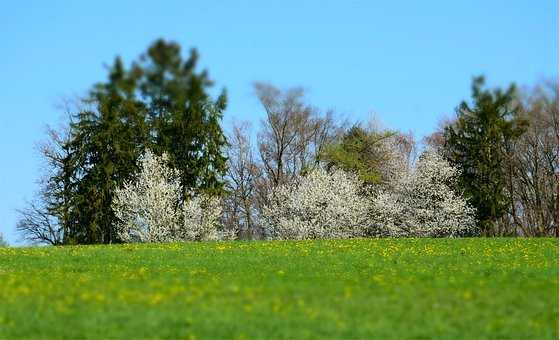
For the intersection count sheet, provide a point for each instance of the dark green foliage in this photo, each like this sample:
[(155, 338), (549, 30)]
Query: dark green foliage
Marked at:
[(103, 147), (476, 143), (159, 103), (185, 123), (359, 151)]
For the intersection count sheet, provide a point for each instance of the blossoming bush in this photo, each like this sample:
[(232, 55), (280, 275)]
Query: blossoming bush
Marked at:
[(421, 203), (321, 204), (149, 208), (200, 219)]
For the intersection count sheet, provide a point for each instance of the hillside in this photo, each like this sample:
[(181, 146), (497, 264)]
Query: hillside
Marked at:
[(459, 288)]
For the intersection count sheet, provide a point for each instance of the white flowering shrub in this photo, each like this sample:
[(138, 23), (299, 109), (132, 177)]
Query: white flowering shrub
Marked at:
[(201, 216), (421, 203), (149, 208), (319, 205)]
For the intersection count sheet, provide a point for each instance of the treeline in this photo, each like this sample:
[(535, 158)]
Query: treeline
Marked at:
[(144, 157)]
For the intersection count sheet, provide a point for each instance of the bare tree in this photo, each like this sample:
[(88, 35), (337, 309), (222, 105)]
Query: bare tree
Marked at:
[(293, 133), (436, 140), (533, 167), (289, 142), (3, 242), (38, 226), (39, 221), (242, 173)]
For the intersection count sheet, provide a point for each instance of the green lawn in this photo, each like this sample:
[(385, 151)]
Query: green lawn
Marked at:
[(374, 288)]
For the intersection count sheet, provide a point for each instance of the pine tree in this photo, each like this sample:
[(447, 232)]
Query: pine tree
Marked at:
[(159, 103), (104, 144), (476, 144), (185, 122)]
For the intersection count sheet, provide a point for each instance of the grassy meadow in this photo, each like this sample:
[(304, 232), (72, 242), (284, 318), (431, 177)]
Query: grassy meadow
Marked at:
[(344, 289)]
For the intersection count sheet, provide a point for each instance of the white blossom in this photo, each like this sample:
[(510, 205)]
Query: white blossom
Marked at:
[(319, 205), (421, 202), (150, 208), (201, 216), (147, 207)]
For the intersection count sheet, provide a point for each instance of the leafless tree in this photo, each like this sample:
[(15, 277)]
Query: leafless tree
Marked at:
[(38, 226), (289, 142), (39, 221), (292, 135), (436, 140), (239, 213), (533, 166), (3, 243)]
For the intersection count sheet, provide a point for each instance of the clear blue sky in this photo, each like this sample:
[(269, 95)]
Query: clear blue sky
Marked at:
[(410, 62)]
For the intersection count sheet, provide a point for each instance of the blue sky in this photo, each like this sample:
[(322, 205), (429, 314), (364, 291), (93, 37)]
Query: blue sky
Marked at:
[(409, 62)]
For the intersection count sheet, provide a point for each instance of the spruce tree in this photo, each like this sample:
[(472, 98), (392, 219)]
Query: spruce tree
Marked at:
[(184, 120), (159, 103), (476, 143), (104, 144)]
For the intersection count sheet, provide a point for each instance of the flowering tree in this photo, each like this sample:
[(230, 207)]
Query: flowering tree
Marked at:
[(319, 205), (150, 209), (200, 220), (421, 202)]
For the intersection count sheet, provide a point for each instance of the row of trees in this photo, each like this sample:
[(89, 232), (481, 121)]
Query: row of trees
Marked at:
[(320, 203), (144, 158)]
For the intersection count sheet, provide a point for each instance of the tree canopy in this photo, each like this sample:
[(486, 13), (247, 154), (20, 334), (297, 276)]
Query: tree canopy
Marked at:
[(160, 102), (476, 143)]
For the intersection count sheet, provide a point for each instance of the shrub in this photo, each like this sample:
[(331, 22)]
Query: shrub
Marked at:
[(321, 204), (150, 208), (422, 203), (200, 221)]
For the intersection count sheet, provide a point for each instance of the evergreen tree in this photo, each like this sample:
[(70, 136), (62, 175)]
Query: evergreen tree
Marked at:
[(476, 143), (185, 122), (103, 147), (159, 103)]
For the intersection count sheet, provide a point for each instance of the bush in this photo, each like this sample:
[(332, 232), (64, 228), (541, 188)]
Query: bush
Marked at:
[(321, 204), (422, 203), (200, 221), (150, 208)]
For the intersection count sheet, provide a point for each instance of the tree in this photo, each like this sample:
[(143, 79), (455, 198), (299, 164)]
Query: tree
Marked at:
[(161, 103), (184, 120), (290, 140), (38, 226), (43, 220), (320, 204), (242, 174), (532, 166), (3, 243), (371, 154), (104, 144), (292, 134), (422, 203), (476, 144), (146, 207), (149, 208)]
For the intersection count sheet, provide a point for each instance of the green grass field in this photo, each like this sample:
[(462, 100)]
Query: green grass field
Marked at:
[(378, 288)]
